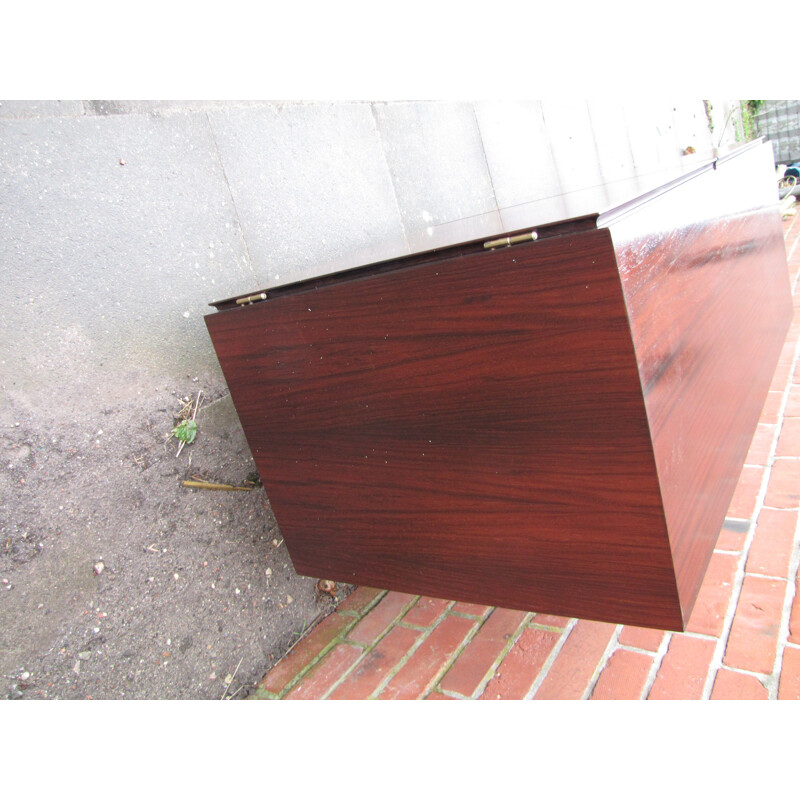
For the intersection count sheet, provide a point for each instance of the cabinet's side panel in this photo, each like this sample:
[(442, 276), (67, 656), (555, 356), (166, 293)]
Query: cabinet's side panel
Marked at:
[(472, 429), (709, 301)]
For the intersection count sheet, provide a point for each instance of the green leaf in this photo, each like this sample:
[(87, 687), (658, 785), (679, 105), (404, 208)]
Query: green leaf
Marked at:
[(186, 431)]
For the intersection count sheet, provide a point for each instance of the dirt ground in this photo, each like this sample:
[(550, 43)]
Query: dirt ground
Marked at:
[(119, 582)]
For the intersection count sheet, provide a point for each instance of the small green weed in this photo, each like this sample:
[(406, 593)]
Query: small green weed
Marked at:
[(186, 431)]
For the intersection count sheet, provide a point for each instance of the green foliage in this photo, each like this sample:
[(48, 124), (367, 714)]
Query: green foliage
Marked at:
[(709, 107), (749, 110), (185, 431)]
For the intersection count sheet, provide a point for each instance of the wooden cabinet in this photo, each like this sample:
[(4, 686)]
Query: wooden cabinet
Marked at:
[(556, 425)]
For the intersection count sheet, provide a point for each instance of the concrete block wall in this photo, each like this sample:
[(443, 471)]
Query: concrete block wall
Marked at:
[(121, 220)]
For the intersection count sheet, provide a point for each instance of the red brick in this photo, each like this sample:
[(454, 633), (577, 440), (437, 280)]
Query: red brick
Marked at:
[(787, 351), (551, 620), (426, 611), (773, 543), (793, 403), (708, 615), (737, 686), (305, 652), (754, 634), (571, 672), (772, 405), (324, 674), (376, 665), (474, 609), (761, 445), (733, 535), (683, 671), (623, 677), (483, 650), (379, 618), (643, 638), (781, 376), (430, 658), (359, 599), (743, 504), (794, 619), (520, 668), (783, 489), (789, 438), (789, 688), (438, 696)]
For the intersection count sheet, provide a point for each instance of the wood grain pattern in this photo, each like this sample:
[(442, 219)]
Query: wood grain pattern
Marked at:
[(710, 306), (557, 426), (472, 429)]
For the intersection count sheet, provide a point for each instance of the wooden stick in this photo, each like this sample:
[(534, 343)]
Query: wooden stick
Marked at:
[(222, 486)]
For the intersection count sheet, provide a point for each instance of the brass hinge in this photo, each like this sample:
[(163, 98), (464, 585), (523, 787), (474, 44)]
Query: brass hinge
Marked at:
[(253, 298), (506, 241)]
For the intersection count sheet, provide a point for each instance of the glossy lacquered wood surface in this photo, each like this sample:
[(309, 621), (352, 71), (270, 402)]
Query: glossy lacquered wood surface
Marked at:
[(556, 426), (710, 307), (473, 429)]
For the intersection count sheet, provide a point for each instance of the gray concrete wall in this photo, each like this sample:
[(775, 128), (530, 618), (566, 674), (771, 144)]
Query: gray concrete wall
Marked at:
[(121, 220)]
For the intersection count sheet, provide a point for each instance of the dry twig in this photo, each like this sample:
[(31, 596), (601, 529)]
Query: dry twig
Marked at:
[(196, 408), (222, 486), (229, 682)]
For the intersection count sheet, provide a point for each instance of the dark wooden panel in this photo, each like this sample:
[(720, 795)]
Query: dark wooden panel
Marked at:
[(471, 429), (710, 306), (558, 426)]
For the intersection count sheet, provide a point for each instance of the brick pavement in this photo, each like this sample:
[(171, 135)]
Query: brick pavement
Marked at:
[(742, 641)]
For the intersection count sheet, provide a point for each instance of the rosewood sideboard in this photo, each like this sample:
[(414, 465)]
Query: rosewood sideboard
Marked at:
[(546, 408)]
